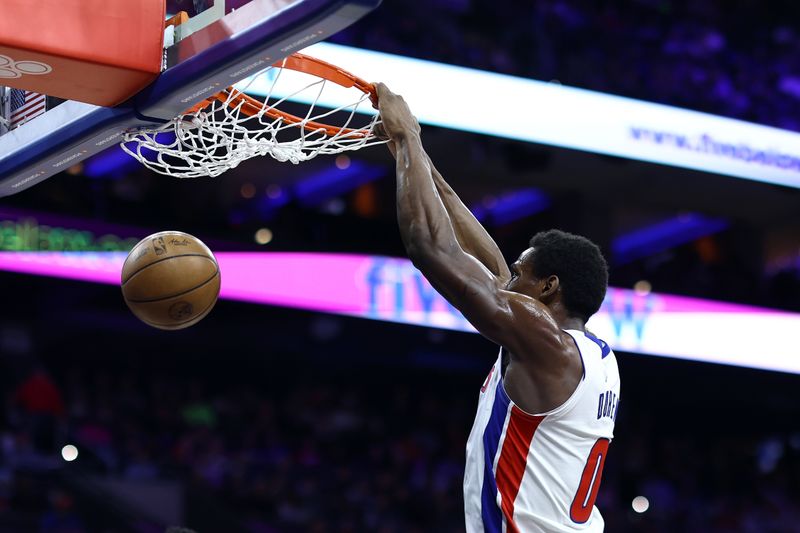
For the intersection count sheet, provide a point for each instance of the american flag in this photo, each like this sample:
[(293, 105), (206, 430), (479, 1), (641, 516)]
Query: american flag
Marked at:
[(23, 106)]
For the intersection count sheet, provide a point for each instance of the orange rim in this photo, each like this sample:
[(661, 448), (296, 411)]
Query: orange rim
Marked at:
[(301, 63)]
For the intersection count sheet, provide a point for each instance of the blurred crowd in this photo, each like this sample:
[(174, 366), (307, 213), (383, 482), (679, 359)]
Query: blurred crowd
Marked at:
[(302, 451), (738, 60), (364, 455), (723, 267), (732, 59)]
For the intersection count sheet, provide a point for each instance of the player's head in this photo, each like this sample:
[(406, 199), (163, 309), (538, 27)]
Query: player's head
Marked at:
[(563, 267)]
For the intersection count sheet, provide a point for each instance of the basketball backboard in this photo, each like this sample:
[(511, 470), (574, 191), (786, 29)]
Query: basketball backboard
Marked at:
[(223, 47)]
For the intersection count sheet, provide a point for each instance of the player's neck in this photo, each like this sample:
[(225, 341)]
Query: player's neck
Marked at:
[(572, 323), (564, 320)]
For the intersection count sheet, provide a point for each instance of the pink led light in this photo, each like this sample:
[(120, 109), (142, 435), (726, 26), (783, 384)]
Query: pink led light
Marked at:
[(392, 289), (335, 283), (101, 267), (321, 282)]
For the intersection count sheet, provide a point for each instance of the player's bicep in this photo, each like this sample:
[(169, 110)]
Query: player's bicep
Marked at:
[(471, 288), (520, 323), (532, 332)]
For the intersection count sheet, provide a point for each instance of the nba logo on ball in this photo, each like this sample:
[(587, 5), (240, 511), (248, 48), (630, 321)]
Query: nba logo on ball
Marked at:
[(158, 246), (170, 280), (180, 310)]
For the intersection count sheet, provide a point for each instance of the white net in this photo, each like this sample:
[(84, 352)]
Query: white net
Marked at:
[(232, 129)]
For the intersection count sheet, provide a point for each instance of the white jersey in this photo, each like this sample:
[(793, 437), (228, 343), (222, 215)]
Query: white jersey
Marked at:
[(529, 473)]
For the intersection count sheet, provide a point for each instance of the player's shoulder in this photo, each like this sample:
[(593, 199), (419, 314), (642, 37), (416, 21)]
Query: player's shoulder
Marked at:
[(529, 327)]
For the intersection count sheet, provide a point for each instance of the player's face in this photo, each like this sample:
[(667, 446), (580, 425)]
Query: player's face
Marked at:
[(523, 279)]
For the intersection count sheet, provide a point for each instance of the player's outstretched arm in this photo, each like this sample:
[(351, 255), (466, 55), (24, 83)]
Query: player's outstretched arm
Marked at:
[(471, 235), (513, 320)]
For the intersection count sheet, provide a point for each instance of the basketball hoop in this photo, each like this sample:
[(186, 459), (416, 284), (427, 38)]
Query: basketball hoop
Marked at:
[(222, 131)]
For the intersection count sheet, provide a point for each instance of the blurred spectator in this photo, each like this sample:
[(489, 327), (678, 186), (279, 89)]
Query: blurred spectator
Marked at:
[(390, 458), (733, 60), (39, 395), (60, 517), (41, 405)]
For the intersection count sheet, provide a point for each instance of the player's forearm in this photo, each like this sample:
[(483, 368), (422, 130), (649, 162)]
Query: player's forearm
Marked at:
[(425, 225), (471, 235)]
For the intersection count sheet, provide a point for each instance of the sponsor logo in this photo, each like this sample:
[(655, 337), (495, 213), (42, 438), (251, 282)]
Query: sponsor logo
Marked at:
[(10, 69), (195, 95), (32, 177), (246, 69), (301, 41), (107, 139), (68, 159)]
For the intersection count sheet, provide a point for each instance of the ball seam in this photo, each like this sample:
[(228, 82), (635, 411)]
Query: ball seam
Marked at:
[(160, 298), (213, 260), (202, 314)]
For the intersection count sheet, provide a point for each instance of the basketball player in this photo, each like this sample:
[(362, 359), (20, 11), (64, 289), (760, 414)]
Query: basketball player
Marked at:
[(546, 411)]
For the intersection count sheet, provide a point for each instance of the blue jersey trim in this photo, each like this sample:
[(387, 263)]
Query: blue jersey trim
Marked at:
[(604, 347), (490, 511)]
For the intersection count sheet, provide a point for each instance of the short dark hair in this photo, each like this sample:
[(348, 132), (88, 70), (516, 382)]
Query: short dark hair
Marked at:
[(580, 266)]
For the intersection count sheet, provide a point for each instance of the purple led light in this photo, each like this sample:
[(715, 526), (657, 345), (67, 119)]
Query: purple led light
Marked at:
[(663, 235), (391, 289), (293, 279)]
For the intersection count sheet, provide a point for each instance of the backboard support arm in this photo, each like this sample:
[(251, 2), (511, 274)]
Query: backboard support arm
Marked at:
[(200, 21)]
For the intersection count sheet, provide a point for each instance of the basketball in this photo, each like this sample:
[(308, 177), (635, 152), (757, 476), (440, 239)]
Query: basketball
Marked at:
[(170, 280)]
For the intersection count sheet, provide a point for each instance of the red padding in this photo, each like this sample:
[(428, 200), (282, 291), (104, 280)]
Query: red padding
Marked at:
[(97, 51)]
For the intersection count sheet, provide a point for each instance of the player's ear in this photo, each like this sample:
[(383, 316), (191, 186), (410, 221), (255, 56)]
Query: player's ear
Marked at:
[(550, 287)]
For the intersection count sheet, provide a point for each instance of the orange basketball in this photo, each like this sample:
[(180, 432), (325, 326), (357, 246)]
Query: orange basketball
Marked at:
[(170, 280)]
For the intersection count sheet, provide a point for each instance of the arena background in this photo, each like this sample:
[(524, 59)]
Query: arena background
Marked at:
[(270, 419)]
